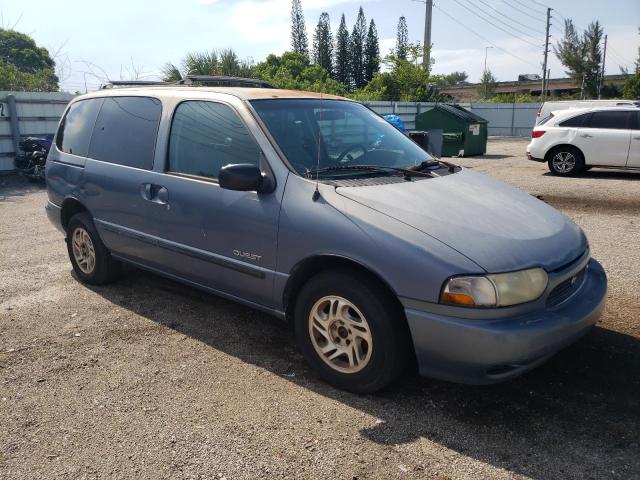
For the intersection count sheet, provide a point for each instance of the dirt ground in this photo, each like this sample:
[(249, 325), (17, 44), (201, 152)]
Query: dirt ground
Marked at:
[(147, 378)]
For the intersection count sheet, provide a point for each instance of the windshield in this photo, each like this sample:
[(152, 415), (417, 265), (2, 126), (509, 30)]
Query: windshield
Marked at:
[(317, 134)]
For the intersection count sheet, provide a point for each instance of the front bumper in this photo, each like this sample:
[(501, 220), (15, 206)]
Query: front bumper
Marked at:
[(483, 351)]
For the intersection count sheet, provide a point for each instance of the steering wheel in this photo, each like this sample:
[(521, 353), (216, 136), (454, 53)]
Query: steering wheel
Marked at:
[(349, 149)]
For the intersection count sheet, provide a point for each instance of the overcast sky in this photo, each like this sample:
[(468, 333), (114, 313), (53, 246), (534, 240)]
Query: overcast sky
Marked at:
[(113, 35)]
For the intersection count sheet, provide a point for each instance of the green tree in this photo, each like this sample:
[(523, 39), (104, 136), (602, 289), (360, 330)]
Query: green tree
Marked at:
[(631, 87), (404, 80), (342, 64), (371, 53), (292, 70), (582, 55), (455, 77), (487, 85), (299, 41), (213, 62), (402, 39), (23, 65), (358, 36), (323, 44)]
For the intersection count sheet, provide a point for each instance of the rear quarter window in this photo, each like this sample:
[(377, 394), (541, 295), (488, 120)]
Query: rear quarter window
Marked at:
[(74, 132), (577, 121), (126, 130)]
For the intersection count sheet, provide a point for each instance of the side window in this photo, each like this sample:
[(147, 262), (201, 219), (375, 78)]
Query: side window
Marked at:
[(206, 136), (576, 121), (610, 119), (74, 133), (126, 131)]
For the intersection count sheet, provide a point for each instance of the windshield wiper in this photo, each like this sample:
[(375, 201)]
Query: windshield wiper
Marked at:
[(433, 163), (407, 173)]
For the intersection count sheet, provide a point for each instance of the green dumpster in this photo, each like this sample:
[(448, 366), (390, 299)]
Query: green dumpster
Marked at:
[(464, 133)]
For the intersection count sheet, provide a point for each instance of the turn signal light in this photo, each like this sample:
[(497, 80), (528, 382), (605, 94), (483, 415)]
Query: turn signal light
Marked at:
[(537, 133)]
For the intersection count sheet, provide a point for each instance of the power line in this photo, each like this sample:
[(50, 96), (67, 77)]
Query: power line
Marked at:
[(527, 14), (510, 18), (496, 26), (528, 7), (483, 37)]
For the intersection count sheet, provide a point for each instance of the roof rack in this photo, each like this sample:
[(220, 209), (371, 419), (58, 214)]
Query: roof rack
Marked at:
[(131, 83), (224, 81), (207, 80)]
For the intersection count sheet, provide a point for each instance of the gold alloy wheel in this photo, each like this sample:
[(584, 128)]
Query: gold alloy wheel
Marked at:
[(83, 251), (340, 334)]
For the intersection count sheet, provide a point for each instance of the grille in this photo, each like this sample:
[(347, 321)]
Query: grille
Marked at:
[(565, 289)]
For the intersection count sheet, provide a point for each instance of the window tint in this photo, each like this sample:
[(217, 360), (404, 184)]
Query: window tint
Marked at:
[(575, 121), (610, 119), (126, 131), (206, 136), (75, 129), (635, 121)]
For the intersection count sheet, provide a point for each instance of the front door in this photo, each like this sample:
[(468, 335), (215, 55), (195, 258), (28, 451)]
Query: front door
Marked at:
[(605, 139), (218, 238)]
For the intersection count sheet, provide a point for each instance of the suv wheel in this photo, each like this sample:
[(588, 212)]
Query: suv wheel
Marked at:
[(565, 161), (348, 330), (90, 259)]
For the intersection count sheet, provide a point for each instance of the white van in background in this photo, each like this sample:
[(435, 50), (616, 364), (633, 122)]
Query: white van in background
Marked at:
[(548, 107)]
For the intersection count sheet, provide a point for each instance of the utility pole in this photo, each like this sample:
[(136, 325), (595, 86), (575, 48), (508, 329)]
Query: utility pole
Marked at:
[(484, 72), (604, 59), (546, 53), (427, 33)]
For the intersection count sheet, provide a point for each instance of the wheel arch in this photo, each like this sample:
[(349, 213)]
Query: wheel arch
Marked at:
[(71, 206), (311, 266)]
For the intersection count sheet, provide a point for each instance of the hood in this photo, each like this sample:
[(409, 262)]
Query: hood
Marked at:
[(498, 227)]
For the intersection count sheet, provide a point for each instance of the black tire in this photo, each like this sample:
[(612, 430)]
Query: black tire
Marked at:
[(565, 161), (105, 269), (389, 332)]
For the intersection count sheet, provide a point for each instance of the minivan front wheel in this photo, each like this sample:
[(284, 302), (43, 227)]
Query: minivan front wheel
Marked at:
[(348, 329), (90, 259), (565, 161)]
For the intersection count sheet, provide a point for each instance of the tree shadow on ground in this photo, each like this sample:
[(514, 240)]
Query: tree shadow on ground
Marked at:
[(576, 416)]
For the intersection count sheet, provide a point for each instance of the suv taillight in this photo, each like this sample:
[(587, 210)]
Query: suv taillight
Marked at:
[(537, 133)]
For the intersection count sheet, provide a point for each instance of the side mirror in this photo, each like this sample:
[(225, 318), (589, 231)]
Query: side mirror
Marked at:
[(244, 177)]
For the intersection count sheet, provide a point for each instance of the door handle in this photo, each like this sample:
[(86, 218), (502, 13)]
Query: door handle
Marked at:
[(586, 135), (636, 138), (154, 193)]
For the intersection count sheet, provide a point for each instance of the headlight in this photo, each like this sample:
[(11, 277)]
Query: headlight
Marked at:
[(496, 290)]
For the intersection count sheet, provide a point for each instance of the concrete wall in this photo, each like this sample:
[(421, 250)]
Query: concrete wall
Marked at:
[(36, 113)]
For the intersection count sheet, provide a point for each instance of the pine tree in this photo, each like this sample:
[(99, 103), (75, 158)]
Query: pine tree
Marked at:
[(342, 62), (299, 42), (371, 53), (323, 43), (358, 37), (402, 39)]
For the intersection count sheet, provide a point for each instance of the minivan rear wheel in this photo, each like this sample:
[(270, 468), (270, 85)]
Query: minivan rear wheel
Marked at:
[(565, 161), (348, 329), (90, 259)]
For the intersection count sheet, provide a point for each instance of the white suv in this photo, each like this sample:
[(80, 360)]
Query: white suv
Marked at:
[(575, 140)]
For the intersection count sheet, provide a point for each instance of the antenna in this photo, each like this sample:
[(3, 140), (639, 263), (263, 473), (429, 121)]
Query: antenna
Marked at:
[(316, 193)]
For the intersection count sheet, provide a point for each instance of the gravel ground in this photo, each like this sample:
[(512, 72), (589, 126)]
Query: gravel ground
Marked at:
[(147, 378)]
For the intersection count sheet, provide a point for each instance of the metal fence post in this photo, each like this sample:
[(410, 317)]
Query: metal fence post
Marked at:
[(15, 125), (513, 115)]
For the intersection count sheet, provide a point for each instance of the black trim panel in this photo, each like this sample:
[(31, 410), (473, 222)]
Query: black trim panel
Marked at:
[(183, 249)]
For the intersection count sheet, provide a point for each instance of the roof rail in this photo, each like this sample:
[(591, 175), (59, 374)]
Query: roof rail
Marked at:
[(224, 81), (132, 83)]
